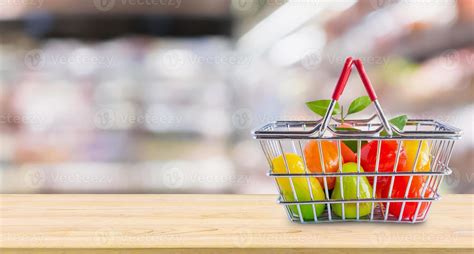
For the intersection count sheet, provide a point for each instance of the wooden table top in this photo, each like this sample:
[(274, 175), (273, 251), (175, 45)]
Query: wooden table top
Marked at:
[(212, 223)]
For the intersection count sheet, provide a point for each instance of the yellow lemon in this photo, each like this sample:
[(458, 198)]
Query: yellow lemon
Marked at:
[(301, 185), (424, 160)]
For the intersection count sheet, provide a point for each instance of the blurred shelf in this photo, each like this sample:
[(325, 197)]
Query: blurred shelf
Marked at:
[(207, 173), (101, 26), (423, 45)]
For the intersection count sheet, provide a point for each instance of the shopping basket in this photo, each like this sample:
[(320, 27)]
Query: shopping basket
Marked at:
[(401, 195)]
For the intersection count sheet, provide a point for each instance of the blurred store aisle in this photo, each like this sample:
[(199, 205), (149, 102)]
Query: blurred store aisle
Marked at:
[(125, 98)]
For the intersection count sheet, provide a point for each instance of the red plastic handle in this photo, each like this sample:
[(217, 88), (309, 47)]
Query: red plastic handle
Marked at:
[(341, 83), (365, 79), (346, 72)]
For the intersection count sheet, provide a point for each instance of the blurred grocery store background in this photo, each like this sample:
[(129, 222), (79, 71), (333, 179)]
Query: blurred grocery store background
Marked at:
[(160, 96)]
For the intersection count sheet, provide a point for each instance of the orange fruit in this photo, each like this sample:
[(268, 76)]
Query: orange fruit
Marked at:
[(330, 160)]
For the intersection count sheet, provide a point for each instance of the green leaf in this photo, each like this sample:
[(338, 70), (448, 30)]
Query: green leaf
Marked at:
[(321, 106), (347, 129), (359, 104), (399, 122), (352, 144)]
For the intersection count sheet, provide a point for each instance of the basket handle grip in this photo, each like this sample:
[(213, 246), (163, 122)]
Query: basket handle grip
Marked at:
[(341, 83), (339, 89), (346, 72), (365, 80)]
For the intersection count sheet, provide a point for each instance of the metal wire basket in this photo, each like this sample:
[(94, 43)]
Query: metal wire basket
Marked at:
[(385, 193)]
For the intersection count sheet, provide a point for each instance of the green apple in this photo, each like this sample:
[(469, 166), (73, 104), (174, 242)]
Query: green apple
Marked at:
[(301, 185), (349, 186)]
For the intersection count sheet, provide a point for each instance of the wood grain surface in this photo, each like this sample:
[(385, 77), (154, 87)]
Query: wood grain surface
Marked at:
[(215, 224)]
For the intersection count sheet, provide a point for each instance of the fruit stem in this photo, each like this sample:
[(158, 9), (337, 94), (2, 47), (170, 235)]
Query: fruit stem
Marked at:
[(342, 114)]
